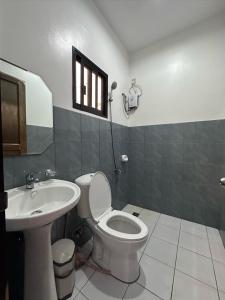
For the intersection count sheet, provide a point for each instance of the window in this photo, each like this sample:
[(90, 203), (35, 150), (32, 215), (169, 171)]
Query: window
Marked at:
[(90, 85)]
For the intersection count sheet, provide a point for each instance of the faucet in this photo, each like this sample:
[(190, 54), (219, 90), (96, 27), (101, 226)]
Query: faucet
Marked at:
[(49, 173), (30, 180)]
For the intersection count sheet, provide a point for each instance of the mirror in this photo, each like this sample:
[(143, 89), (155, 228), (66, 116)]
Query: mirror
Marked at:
[(27, 111)]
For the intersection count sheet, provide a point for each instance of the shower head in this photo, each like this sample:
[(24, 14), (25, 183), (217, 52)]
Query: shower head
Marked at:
[(113, 86)]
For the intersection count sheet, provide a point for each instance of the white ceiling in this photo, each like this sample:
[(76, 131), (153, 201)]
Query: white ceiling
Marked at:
[(138, 23)]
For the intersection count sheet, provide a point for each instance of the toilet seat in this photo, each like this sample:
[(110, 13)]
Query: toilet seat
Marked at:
[(120, 216)]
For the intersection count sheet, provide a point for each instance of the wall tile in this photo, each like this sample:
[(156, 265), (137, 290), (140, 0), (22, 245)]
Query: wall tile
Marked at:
[(173, 152), (38, 139), (182, 165), (153, 151), (120, 133), (212, 131), (189, 132), (136, 135), (173, 171), (8, 172), (90, 128), (172, 168), (74, 127), (90, 155)]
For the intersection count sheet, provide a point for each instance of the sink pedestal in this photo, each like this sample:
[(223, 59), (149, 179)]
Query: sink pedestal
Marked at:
[(39, 273)]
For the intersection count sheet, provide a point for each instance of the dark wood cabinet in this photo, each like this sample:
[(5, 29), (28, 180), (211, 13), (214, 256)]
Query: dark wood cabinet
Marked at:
[(13, 103)]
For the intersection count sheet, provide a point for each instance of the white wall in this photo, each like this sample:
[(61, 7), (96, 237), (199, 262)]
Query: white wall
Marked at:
[(183, 76), (38, 35)]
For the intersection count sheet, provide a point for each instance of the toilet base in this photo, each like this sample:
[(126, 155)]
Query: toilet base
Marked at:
[(124, 267)]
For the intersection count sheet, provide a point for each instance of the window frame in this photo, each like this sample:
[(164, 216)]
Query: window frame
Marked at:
[(86, 62)]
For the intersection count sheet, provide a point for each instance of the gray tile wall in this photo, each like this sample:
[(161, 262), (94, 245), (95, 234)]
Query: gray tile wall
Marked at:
[(175, 169), (82, 144), (38, 138)]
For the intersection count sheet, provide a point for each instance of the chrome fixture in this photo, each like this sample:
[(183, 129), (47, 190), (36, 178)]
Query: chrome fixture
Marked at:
[(50, 173), (124, 158), (117, 171), (222, 181), (113, 87), (31, 180)]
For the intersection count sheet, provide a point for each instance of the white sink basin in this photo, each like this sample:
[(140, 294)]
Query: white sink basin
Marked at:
[(42, 205), (33, 211)]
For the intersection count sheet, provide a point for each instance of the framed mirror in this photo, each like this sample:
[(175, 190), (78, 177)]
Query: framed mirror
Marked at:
[(27, 111)]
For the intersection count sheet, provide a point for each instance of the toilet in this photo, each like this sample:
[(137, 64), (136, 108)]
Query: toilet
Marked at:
[(117, 235)]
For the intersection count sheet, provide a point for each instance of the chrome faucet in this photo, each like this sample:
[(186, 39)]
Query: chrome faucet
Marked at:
[(49, 173), (222, 181), (30, 180)]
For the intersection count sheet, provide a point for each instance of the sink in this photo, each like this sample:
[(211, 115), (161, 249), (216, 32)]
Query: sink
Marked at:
[(48, 201), (33, 212)]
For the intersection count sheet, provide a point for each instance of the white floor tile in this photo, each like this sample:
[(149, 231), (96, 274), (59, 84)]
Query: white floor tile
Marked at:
[(131, 208), (170, 221), (161, 250), (214, 236), (74, 295), (194, 243), (212, 231), (197, 266), (156, 277), (104, 287), (222, 295), (80, 296), (218, 251), (149, 222), (136, 292), (187, 288), (82, 276), (220, 275), (166, 233), (194, 228), (149, 212)]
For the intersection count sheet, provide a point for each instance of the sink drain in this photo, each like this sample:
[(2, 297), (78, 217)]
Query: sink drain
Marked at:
[(35, 212)]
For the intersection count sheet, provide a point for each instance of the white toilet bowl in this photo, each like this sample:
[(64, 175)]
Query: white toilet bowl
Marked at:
[(117, 235)]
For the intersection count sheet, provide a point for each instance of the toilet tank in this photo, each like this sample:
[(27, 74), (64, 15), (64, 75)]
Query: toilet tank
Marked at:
[(83, 206)]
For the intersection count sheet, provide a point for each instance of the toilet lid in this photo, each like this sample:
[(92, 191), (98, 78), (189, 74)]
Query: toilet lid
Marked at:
[(100, 197)]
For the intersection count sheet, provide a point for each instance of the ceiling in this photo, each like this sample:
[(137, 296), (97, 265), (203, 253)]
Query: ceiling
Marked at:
[(138, 23)]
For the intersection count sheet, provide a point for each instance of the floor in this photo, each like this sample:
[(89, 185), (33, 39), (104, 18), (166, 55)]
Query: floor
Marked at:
[(180, 261)]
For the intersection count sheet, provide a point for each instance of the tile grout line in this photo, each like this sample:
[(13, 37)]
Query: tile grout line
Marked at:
[(188, 275), (150, 291), (195, 252), (142, 255), (181, 270), (82, 295), (80, 290), (159, 261), (195, 235), (168, 226), (125, 291), (163, 240), (213, 264), (143, 252), (171, 295)]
